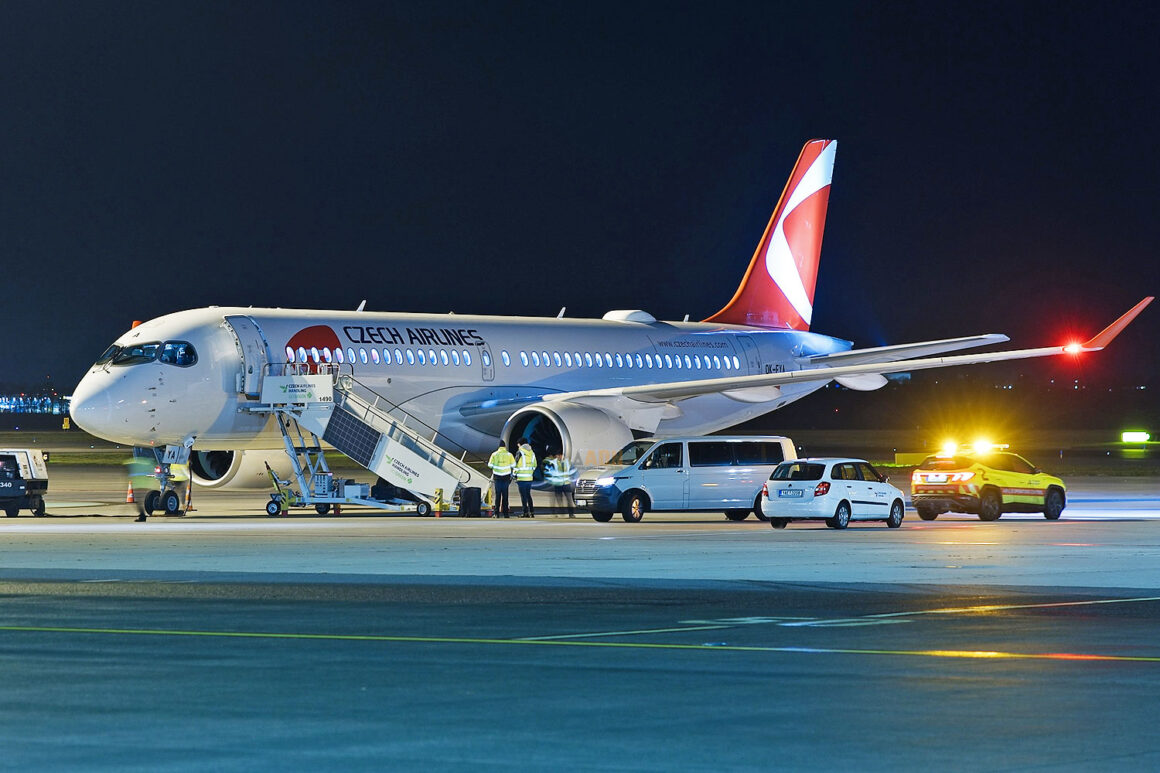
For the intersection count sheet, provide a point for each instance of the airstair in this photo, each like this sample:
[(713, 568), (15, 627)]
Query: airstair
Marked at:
[(315, 404)]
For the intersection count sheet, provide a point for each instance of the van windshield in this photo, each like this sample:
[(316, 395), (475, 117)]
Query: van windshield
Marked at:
[(632, 452)]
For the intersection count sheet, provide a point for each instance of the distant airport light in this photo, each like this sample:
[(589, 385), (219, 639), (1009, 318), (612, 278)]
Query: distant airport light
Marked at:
[(1135, 436)]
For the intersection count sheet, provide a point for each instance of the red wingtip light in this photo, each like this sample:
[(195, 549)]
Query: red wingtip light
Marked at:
[(1073, 348)]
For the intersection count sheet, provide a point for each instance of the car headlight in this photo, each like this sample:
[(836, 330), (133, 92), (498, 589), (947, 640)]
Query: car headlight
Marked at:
[(602, 482)]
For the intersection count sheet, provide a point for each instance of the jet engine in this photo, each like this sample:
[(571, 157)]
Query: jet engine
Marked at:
[(587, 436), (237, 469)]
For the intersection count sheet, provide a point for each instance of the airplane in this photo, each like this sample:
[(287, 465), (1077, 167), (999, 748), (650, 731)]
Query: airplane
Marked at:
[(583, 386)]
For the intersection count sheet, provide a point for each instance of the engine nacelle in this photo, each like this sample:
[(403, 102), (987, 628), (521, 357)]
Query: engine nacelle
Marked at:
[(237, 469), (588, 436)]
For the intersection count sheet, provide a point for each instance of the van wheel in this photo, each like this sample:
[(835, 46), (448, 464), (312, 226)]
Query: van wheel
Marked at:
[(737, 515), (990, 505), (894, 520), (602, 517), (171, 503), (926, 512), (779, 523), (757, 508), (633, 507), (1053, 504), (841, 517)]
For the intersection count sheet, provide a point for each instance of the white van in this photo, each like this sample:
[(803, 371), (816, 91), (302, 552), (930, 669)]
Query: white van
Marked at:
[(705, 474)]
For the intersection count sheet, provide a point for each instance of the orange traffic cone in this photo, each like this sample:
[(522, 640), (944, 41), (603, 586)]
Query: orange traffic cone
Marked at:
[(129, 494)]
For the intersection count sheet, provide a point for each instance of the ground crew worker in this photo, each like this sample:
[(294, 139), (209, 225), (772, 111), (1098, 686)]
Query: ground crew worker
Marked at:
[(559, 472), (525, 469), (501, 463)]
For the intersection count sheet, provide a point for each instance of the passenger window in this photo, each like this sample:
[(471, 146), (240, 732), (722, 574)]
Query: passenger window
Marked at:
[(431, 355), (710, 454), (455, 356), (410, 357), (1019, 464), (667, 456), (619, 360), (398, 357), (289, 355), (869, 473), (443, 356), (524, 358), (556, 358), (639, 361), (758, 453), (506, 360)]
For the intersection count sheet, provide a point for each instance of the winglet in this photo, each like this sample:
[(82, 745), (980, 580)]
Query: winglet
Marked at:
[(1105, 336)]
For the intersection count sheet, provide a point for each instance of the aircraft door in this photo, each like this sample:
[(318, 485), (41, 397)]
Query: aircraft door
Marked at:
[(752, 355), (254, 350), (486, 362)]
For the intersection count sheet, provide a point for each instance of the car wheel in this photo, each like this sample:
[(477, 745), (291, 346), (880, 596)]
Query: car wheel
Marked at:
[(171, 503), (737, 515), (779, 523), (1053, 504), (926, 512), (894, 520), (841, 517), (990, 505), (761, 516), (633, 507), (151, 502), (36, 505), (601, 516), (273, 508)]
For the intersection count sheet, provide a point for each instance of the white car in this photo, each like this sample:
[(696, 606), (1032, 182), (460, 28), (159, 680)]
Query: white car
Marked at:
[(834, 490)]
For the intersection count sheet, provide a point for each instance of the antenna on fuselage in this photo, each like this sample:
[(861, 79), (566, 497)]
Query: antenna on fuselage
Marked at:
[(561, 314), (362, 305), (686, 319)]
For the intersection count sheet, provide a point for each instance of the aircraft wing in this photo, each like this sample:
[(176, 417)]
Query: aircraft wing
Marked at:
[(867, 375), (904, 351)]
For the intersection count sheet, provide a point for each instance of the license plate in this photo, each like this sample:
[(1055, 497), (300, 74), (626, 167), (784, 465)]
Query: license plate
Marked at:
[(789, 492), (582, 502)]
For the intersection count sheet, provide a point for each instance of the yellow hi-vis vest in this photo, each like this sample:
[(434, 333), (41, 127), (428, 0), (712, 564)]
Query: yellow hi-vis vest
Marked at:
[(558, 471), (526, 465), (501, 462)]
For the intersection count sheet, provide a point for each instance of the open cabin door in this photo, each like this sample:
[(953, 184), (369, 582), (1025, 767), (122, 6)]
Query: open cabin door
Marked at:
[(254, 350)]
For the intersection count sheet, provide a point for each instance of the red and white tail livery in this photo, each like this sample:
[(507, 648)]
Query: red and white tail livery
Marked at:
[(778, 289)]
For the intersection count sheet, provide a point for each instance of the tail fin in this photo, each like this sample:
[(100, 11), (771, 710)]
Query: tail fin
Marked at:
[(778, 288)]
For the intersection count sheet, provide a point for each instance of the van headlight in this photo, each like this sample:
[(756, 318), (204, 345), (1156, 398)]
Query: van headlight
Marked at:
[(602, 482)]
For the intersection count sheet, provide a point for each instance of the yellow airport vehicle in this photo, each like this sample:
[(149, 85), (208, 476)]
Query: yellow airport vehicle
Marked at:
[(987, 480)]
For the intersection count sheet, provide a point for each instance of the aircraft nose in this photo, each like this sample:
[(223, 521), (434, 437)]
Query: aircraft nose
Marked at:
[(91, 407)]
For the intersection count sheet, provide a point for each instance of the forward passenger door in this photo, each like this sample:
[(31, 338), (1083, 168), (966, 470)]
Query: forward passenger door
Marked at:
[(666, 477)]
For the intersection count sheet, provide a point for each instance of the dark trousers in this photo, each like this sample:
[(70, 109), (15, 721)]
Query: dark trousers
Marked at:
[(526, 495), (565, 493), (501, 493)]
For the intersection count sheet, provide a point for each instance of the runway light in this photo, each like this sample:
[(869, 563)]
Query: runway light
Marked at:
[(1135, 436)]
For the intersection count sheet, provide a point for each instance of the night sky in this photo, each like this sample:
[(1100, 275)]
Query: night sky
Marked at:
[(997, 164)]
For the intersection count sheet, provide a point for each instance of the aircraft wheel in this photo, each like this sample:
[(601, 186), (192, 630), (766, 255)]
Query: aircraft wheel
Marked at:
[(600, 516), (737, 515), (151, 502), (273, 508), (779, 523), (633, 507), (894, 520), (926, 513), (990, 505), (841, 517), (171, 503), (1053, 504), (423, 509), (322, 509)]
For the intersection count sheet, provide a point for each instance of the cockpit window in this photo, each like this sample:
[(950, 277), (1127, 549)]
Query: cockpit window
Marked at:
[(109, 354), (136, 354), (179, 353)]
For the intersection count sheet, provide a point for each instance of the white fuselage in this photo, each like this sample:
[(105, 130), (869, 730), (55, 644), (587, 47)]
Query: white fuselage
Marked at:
[(462, 375)]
